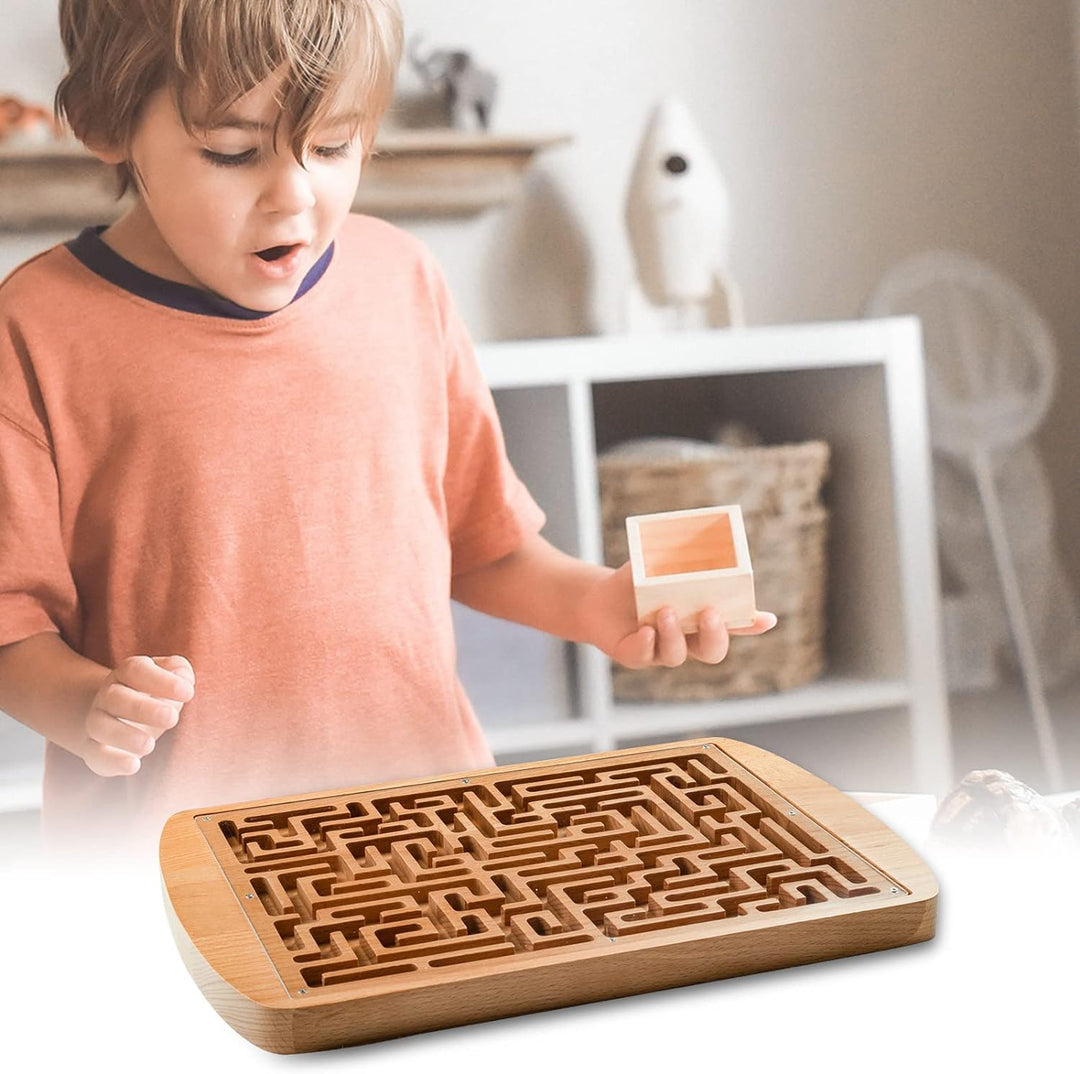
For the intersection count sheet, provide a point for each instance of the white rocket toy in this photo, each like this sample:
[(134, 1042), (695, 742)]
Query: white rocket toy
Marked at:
[(678, 216)]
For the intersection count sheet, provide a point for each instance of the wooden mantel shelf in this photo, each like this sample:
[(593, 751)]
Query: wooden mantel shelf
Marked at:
[(413, 174), (446, 173)]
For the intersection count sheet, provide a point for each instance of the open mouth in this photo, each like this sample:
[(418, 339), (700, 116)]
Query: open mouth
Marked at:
[(275, 253)]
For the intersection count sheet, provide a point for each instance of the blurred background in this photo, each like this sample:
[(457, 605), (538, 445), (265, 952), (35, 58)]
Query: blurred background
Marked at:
[(851, 134)]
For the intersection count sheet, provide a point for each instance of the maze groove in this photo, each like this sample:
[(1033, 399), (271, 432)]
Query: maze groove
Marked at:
[(367, 887), (368, 913)]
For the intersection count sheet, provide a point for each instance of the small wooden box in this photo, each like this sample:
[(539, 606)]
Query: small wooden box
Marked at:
[(363, 914), (690, 559)]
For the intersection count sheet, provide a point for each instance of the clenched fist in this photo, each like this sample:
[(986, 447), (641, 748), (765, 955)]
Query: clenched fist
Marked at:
[(139, 701)]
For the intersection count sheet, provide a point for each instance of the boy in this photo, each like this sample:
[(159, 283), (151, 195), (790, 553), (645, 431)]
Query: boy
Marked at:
[(243, 436)]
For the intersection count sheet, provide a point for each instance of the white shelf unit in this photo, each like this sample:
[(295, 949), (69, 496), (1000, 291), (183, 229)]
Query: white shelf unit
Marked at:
[(859, 386)]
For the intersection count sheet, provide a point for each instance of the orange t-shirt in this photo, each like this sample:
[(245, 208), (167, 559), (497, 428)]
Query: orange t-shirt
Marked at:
[(283, 501)]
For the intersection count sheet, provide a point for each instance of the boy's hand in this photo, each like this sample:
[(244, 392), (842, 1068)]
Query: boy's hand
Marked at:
[(664, 645), (139, 701)]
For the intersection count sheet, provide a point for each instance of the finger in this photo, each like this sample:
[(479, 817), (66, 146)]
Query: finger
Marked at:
[(107, 730), (145, 675), (763, 621), (108, 761), (122, 702), (637, 650), (670, 640), (710, 644), (178, 665)]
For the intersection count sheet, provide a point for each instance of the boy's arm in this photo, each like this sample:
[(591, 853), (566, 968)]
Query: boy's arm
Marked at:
[(90, 710), (544, 588), (49, 687)]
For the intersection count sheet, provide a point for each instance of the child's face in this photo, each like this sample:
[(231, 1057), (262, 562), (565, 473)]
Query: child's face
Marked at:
[(210, 202)]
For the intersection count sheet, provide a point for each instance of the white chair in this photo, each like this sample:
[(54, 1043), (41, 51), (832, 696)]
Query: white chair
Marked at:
[(991, 365)]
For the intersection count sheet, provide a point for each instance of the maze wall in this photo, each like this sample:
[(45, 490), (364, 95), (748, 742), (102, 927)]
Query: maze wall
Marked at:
[(367, 887)]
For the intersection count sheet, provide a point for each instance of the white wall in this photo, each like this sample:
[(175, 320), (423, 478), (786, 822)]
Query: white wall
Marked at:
[(851, 132), (31, 63)]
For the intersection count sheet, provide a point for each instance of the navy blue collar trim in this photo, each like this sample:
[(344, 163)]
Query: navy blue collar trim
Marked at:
[(102, 259)]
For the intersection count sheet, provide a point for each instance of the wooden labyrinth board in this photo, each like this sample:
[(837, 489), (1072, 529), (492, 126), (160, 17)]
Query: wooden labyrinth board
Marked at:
[(369, 913)]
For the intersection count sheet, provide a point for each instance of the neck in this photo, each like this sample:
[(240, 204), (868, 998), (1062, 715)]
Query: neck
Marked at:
[(135, 238)]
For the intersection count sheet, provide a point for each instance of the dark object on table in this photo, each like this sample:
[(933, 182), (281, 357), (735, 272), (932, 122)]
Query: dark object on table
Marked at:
[(992, 809)]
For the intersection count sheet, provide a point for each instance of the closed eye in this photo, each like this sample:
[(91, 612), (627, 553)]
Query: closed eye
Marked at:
[(232, 160), (333, 150), (229, 160)]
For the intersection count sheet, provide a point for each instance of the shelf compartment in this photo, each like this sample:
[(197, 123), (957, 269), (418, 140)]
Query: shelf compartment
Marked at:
[(857, 385)]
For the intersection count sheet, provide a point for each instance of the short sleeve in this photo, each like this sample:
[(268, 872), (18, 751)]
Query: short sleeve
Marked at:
[(37, 592), (489, 510)]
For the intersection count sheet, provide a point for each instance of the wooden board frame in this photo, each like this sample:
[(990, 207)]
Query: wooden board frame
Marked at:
[(889, 895)]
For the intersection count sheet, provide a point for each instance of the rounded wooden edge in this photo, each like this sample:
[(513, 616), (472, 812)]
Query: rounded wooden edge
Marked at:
[(269, 1028), (840, 814), (227, 960), (204, 912)]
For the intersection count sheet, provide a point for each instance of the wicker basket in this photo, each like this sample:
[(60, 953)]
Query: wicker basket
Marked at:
[(779, 490)]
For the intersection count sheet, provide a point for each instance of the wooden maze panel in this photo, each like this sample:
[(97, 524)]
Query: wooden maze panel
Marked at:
[(361, 888)]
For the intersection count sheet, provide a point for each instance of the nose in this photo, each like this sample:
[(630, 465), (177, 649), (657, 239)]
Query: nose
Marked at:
[(287, 187)]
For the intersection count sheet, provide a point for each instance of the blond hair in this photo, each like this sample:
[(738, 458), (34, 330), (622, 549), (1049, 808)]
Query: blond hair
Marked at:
[(213, 52)]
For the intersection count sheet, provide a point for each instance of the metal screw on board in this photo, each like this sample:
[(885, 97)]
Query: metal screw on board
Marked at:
[(301, 991), (791, 812), (895, 891), (249, 895), (464, 781), (204, 818)]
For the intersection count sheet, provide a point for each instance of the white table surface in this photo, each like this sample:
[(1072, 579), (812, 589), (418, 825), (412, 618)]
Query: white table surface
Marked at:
[(90, 979)]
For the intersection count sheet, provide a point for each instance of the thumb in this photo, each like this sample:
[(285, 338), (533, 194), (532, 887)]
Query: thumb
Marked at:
[(178, 665), (636, 650)]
